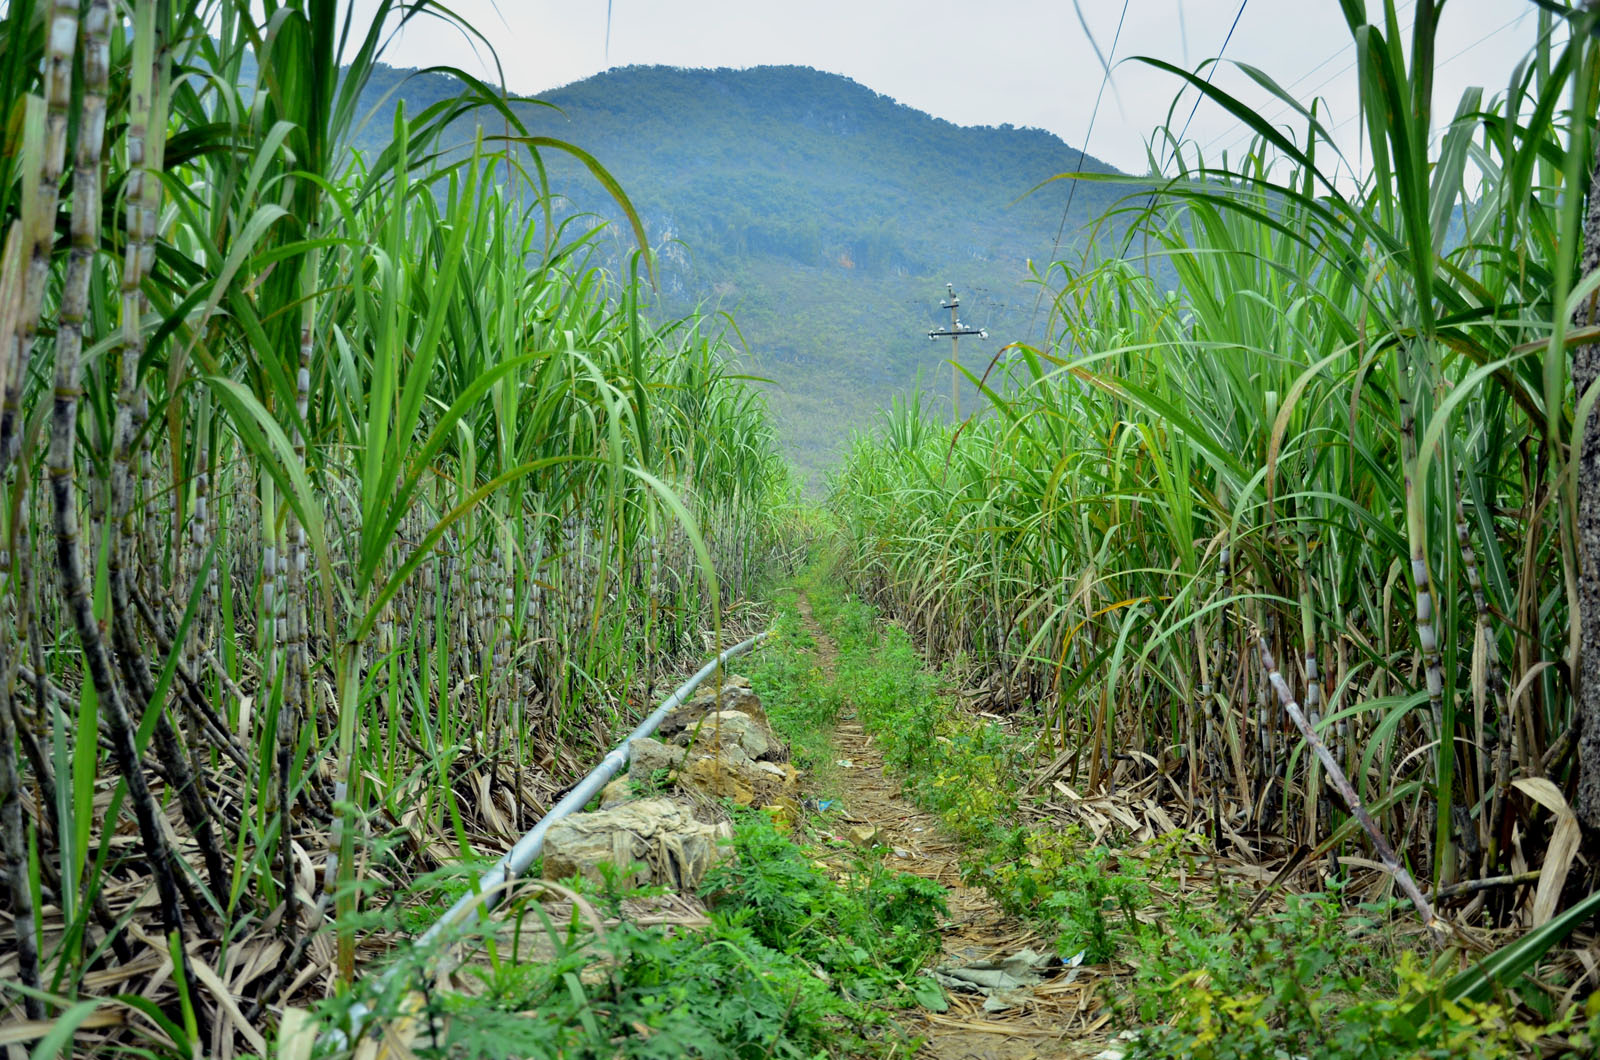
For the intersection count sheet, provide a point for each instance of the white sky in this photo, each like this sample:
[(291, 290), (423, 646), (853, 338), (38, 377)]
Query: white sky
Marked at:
[(1027, 62)]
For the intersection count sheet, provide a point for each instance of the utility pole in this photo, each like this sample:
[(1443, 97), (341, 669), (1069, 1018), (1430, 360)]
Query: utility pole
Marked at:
[(954, 331)]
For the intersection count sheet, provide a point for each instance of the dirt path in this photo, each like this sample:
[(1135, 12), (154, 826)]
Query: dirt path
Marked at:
[(1059, 1019)]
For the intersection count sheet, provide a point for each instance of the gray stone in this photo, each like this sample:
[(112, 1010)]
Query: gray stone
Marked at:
[(724, 730), (734, 695), (616, 793), (648, 840), (648, 756)]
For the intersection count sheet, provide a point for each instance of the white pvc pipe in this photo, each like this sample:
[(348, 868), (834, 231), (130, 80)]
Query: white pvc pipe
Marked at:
[(492, 884)]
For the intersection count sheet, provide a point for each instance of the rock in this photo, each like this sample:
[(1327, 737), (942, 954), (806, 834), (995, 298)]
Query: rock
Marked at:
[(616, 793), (725, 773), (710, 748), (784, 811), (718, 778), (734, 695), (647, 756), (786, 776), (740, 698), (864, 835), (660, 834), (747, 783), (1118, 1047), (723, 729)]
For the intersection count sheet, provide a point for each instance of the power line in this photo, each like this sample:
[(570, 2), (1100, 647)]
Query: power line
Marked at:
[(1226, 40), (1236, 17), (1083, 151), (1287, 108), (1508, 24), (1480, 41)]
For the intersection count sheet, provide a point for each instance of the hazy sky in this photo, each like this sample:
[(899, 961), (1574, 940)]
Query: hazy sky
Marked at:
[(1027, 62)]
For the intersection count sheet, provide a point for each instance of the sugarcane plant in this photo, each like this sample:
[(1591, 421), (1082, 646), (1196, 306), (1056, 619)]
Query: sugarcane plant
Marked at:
[(1345, 438), (350, 498)]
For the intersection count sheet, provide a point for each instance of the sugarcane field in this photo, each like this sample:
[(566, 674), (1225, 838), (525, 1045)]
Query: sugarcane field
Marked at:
[(780, 532)]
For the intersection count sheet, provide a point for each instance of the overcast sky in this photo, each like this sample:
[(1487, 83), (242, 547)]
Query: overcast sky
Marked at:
[(1027, 62)]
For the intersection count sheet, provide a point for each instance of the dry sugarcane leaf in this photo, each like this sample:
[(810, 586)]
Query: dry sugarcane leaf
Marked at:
[(225, 1002), (305, 873), (101, 980), (396, 1036), (1120, 814), (411, 821), (319, 958), (1163, 820), (263, 958), (1563, 848), (994, 1027), (487, 809), (1590, 969), (30, 1030), (297, 1034)]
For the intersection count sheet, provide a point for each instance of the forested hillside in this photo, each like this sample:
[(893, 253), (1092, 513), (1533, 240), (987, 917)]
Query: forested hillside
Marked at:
[(825, 217)]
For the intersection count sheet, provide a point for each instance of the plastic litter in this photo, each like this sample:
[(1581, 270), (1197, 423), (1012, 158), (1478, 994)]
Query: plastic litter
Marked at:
[(1005, 982)]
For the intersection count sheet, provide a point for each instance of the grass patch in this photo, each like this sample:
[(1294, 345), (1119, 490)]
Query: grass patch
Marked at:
[(642, 992), (868, 933)]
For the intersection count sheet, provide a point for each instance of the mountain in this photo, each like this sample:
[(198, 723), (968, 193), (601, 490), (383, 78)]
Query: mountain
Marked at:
[(825, 218)]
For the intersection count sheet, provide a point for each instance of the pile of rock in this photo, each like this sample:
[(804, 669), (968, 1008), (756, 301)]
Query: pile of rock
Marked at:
[(717, 745)]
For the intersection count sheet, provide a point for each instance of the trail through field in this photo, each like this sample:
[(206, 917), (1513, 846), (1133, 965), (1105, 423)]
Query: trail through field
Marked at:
[(1058, 1017)]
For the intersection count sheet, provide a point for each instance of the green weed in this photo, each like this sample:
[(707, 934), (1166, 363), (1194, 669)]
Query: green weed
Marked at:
[(437, 891), (1314, 979), (868, 933), (794, 964), (801, 705), (642, 993)]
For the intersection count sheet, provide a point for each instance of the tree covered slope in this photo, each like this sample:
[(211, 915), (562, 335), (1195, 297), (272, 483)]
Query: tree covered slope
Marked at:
[(824, 217)]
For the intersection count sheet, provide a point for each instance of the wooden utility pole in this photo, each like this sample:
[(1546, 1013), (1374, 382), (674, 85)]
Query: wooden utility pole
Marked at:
[(954, 331)]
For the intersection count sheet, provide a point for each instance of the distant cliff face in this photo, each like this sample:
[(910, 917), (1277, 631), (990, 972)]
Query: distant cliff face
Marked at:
[(826, 217)]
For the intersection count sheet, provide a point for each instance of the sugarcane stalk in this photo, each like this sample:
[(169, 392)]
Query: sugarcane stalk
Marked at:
[(130, 654), (1426, 623), (26, 593), (13, 266), (39, 211), (1494, 684), (142, 196), (62, 33), (1308, 639), (1336, 776), (13, 844), (182, 775), (13, 604)]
